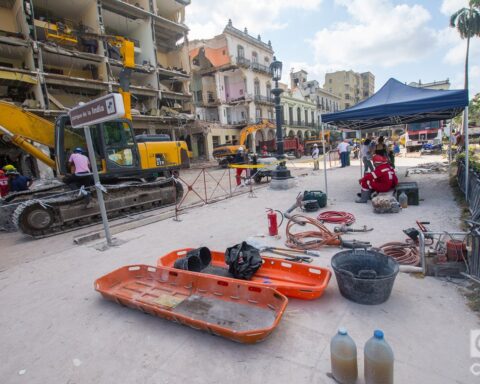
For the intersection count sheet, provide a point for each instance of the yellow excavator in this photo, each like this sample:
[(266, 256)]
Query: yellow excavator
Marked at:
[(226, 153), (128, 168)]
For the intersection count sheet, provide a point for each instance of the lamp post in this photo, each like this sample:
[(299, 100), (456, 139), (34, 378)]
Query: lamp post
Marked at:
[(281, 172)]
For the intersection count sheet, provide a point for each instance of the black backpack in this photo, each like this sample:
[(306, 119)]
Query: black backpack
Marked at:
[(243, 260)]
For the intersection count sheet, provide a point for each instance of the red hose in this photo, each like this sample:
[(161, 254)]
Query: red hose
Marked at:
[(336, 217)]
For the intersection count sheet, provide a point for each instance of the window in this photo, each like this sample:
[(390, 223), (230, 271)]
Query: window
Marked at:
[(306, 117), (313, 117), (119, 142), (254, 57), (256, 87), (240, 51), (329, 81), (258, 113), (299, 115), (216, 141), (269, 92), (290, 115), (267, 61)]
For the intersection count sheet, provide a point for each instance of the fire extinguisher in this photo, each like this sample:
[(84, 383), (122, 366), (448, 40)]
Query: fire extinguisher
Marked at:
[(272, 221)]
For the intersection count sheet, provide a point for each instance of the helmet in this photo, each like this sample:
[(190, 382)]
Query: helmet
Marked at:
[(78, 150), (241, 149), (378, 159), (9, 167), (315, 145), (2, 173)]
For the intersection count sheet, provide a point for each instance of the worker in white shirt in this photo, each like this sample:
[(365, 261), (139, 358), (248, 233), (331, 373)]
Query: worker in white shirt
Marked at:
[(315, 155), (343, 150)]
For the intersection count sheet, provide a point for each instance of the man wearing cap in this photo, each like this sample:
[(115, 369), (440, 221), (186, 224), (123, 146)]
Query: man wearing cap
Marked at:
[(315, 155), (18, 182), (382, 179)]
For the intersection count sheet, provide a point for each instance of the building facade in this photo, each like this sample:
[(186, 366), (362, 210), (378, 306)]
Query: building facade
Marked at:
[(351, 87), (231, 86), (56, 53)]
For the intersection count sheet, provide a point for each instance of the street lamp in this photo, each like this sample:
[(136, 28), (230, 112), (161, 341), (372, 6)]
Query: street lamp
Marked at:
[(281, 172)]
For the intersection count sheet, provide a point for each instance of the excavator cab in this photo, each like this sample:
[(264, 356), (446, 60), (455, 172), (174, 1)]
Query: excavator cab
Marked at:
[(115, 148)]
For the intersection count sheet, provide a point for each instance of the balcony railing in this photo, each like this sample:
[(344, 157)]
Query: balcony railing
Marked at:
[(264, 99), (260, 67), (243, 61)]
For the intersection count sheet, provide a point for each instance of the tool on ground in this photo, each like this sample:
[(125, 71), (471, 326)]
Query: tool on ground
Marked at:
[(298, 204), (336, 217), (272, 221), (310, 205), (319, 237), (288, 254), (346, 229)]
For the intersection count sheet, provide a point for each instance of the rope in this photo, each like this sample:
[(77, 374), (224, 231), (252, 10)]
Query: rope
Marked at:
[(336, 217), (320, 236), (403, 253)]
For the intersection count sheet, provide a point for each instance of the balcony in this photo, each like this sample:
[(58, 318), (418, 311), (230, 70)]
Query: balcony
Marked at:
[(264, 99), (257, 67), (243, 62)]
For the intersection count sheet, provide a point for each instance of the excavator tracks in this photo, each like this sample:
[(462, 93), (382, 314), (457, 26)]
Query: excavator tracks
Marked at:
[(54, 215)]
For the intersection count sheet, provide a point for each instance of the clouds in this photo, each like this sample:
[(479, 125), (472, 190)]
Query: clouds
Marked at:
[(378, 32), (207, 18), (449, 7)]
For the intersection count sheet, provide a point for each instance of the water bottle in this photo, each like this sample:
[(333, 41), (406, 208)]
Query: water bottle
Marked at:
[(403, 200), (378, 360), (343, 352)]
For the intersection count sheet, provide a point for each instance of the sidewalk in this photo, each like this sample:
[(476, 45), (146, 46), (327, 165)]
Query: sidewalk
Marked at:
[(57, 328)]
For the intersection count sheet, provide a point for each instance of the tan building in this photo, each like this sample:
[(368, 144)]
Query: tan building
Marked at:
[(57, 53), (231, 85), (351, 87)]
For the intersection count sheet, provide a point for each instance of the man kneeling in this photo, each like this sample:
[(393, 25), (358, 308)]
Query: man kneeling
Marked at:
[(382, 179)]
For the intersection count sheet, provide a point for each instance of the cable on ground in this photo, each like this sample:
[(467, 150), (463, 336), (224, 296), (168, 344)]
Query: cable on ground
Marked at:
[(319, 237), (336, 217)]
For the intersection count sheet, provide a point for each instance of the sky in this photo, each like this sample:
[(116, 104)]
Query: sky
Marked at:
[(409, 40)]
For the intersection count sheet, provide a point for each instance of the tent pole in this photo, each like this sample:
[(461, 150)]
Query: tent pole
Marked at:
[(465, 132), (450, 150), (324, 157)]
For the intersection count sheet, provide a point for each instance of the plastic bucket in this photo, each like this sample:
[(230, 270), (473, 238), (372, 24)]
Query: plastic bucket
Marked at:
[(189, 264), (203, 253), (365, 276)]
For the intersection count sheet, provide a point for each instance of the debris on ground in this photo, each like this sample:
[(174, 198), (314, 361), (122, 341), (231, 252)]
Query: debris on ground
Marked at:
[(436, 167)]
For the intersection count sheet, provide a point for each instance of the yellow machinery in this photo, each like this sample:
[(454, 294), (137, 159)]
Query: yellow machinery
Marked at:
[(226, 153), (308, 144), (58, 32)]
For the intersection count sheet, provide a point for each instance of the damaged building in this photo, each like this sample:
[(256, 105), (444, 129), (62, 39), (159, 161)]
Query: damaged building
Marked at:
[(231, 87), (57, 53)]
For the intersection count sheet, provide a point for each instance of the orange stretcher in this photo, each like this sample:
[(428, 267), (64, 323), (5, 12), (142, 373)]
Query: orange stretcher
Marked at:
[(238, 310), (292, 279)]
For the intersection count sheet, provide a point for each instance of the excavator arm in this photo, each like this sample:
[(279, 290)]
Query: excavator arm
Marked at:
[(252, 129)]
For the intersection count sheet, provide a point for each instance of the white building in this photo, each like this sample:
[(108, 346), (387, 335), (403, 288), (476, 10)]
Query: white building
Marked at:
[(231, 86)]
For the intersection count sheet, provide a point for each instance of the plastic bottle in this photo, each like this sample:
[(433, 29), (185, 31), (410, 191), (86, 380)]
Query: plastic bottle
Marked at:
[(378, 360), (403, 200), (343, 352)]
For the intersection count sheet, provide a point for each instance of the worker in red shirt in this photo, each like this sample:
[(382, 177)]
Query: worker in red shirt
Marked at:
[(4, 187), (382, 179)]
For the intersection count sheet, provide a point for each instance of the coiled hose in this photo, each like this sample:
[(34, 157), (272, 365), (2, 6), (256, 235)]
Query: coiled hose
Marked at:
[(336, 217), (403, 253), (320, 236)]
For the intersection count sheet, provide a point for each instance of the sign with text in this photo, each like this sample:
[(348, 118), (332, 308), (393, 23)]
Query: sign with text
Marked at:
[(97, 111)]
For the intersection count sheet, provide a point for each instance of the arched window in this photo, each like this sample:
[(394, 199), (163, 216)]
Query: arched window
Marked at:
[(254, 57), (240, 51)]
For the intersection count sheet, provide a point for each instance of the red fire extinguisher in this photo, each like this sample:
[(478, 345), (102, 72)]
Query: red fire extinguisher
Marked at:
[(272, 221)]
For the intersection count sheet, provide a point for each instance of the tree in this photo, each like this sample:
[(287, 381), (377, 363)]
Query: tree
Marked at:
[(467, 22)]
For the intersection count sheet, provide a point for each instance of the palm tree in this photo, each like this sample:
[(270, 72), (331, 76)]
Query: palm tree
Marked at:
[(467, 22)]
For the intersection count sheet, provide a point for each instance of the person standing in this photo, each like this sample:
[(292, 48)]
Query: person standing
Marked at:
[(343, 150), (4, 188), (315, 156), (240, 159), (366, 154)]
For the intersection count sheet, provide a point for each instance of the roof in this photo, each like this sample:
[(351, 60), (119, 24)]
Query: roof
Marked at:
[(397, 103), (216, 56)]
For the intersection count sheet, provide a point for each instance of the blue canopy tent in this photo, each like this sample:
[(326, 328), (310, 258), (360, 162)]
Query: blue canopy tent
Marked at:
[(397, 103)]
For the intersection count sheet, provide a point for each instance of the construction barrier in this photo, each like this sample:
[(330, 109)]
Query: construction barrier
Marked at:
[(473, 189)]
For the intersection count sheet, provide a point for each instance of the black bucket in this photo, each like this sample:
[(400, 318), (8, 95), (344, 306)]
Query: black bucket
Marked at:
[(365, 276), (189, 264), (203, 253)]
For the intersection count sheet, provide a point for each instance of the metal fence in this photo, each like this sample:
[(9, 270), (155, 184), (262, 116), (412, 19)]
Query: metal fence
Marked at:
[(473, 189)]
